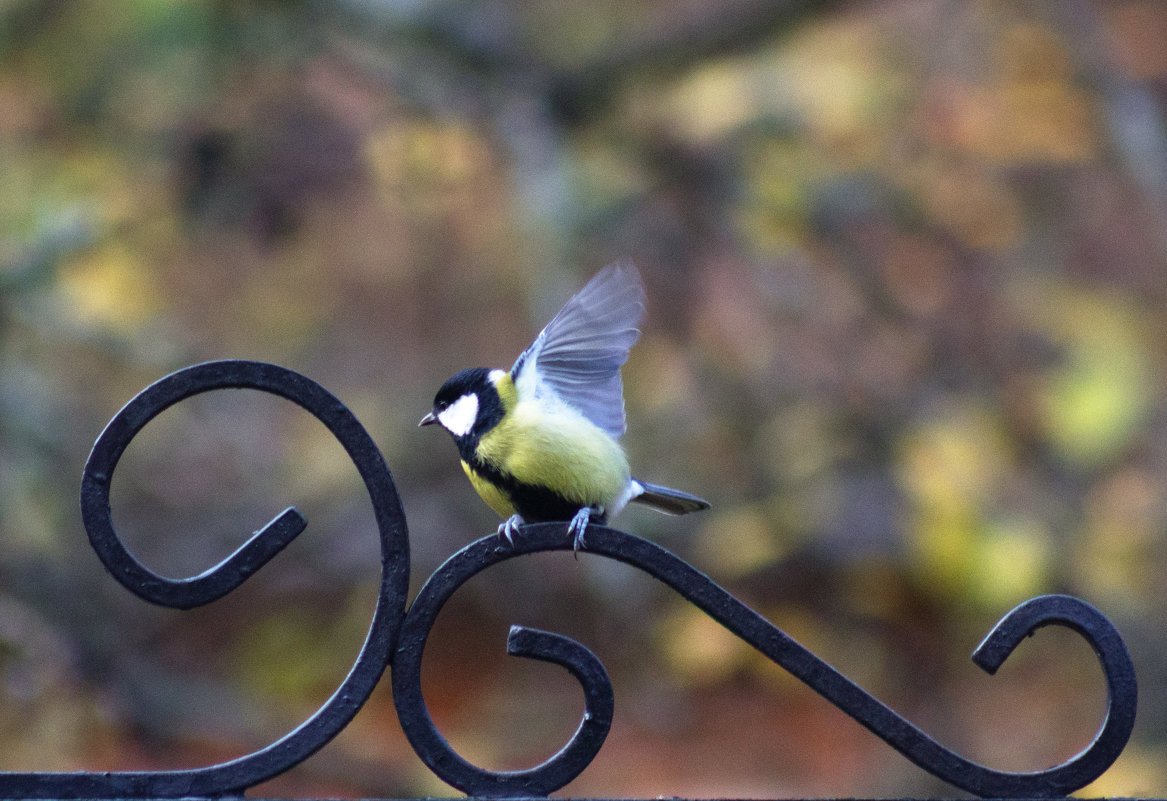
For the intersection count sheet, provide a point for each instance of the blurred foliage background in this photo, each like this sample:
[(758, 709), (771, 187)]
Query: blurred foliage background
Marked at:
[(905, 264)]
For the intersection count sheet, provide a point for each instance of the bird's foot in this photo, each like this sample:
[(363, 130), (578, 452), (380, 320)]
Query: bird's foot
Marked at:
[(510, 527), (577, 527)]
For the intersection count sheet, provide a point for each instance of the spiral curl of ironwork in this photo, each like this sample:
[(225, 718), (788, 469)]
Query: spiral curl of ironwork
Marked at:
[(751, 627), (397, 636), (235, 776)]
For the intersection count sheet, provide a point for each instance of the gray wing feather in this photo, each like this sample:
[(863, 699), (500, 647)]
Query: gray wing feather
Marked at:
[(578, 356)]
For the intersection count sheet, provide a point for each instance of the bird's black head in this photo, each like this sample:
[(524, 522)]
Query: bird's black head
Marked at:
[(468, 405)]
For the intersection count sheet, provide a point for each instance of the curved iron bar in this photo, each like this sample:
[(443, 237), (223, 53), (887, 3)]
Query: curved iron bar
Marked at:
[(401, 635), (419, 727), (233, 777), (894, 729)]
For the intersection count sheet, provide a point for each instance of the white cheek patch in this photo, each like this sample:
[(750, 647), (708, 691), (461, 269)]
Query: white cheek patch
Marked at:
[(458, 418)]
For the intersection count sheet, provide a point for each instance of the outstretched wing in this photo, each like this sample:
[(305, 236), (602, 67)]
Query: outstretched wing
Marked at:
[(578, 356)]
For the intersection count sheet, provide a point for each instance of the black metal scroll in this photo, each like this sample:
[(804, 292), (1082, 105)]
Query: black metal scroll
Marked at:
[(700, 590), (237, 775), (398, 637)]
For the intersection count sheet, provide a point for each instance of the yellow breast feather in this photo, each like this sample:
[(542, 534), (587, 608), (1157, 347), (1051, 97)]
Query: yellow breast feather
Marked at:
[(552, 445), (495, 498)]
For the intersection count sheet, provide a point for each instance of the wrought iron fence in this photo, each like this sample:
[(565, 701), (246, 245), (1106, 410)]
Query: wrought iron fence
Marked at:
[(398, 633)]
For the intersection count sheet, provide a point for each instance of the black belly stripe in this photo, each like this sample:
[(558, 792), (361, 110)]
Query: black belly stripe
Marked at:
[(533, 503)]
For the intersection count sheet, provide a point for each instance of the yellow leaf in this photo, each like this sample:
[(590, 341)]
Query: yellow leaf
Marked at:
[(109, 287)]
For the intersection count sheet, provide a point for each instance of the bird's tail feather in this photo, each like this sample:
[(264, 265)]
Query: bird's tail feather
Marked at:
[(669, 501)]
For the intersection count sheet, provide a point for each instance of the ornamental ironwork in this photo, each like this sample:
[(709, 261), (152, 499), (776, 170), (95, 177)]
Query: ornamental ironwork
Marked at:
[(399, 630)]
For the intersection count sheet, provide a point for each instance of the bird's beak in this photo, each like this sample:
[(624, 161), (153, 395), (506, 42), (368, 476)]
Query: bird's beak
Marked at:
[(428, 420)]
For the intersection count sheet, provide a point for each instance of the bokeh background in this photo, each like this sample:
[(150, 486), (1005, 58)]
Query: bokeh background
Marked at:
[(905, 263)]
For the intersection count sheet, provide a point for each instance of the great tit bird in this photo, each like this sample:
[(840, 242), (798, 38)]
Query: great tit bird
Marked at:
[(539, 443)]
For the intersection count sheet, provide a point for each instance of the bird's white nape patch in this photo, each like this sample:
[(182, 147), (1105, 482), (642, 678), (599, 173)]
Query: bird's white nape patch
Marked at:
[(458, 418), (496, 375)]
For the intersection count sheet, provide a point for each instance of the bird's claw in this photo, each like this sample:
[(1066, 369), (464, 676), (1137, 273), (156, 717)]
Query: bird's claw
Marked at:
[(577, 527), (510, 527)]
